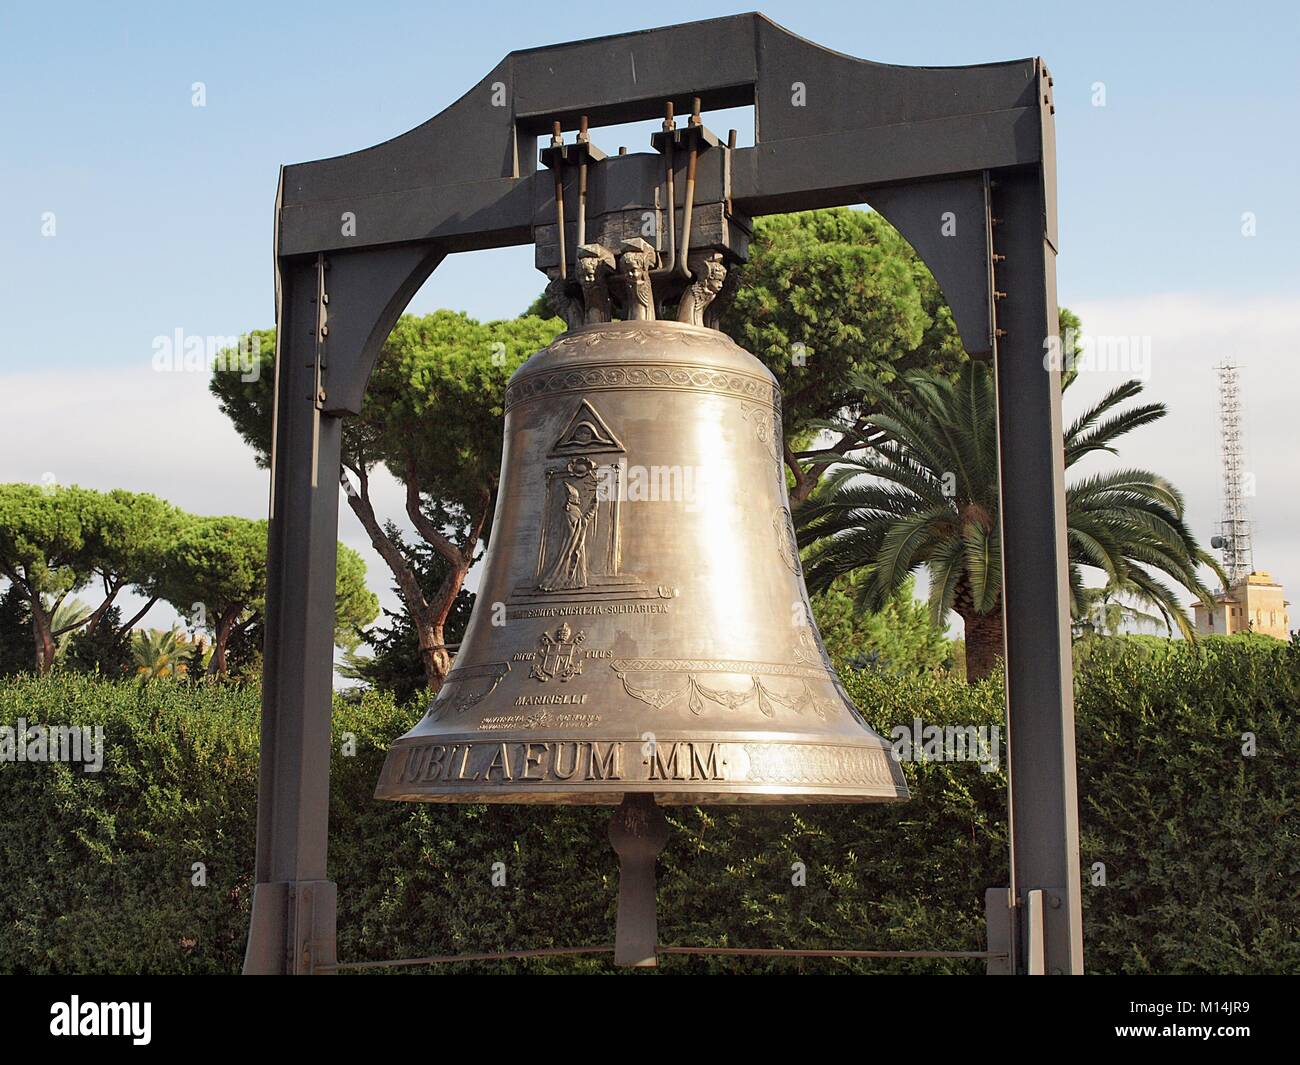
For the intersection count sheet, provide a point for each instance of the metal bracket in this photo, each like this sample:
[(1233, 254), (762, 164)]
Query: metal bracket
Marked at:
[(1035, 934), (300, 919), (1000, 923), (318, 366), (946, 222), (637, 832), (1046, 919)]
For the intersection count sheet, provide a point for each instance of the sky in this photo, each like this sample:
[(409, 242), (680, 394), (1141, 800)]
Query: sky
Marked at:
[(131, 213)]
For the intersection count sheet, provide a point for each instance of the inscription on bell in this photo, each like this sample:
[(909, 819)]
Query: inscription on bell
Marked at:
[(553, 761), (685, 761), (538, 719), (499, 762), (594, 609)]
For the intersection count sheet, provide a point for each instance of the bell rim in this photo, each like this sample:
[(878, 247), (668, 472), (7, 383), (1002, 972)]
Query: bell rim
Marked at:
[(690, 791), (746, 795)]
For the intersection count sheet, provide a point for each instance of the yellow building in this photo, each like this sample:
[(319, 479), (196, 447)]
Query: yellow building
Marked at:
[(1253, 605)]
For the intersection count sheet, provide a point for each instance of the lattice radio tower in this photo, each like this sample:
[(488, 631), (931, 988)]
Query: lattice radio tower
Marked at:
[(1234, 528)]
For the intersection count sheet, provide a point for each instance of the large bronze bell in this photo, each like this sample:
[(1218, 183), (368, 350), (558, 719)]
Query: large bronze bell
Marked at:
[(642, 634), (642, 624)]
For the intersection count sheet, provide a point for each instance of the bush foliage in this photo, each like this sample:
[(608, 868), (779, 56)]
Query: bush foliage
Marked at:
[(1199, 842)]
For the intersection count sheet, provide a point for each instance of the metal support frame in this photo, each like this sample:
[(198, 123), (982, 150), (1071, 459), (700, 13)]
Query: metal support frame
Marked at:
[(942, 153)]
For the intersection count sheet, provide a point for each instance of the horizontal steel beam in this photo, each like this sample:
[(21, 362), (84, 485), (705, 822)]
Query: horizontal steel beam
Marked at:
[(826, 125), (827, 170)]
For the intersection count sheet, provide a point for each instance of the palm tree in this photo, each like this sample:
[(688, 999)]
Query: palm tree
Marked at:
[(1106, 610), (66, 617), (160, 654), (924, 492)]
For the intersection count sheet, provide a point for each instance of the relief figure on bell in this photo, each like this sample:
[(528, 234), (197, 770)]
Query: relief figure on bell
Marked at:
[(569, 567)]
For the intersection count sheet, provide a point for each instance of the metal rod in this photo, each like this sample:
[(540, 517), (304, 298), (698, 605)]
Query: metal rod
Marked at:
[(687, 210), (757, 952), (557, 141), (688, 206), (447, 959), (779, 952), (669, 128), (583, 138)]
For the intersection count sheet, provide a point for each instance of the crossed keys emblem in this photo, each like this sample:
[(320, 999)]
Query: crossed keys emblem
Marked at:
[(557, 655)]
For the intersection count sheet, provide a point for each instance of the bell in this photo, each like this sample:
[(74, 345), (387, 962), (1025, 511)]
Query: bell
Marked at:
[(642, 634), (642, 625)]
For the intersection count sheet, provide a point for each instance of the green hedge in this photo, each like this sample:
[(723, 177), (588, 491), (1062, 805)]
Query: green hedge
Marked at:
[(1199, 842)]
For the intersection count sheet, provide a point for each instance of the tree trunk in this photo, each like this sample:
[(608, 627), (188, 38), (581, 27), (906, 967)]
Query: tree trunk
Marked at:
[(808, 467), (226, 625), (804, 481), (434, 656), (983, 643), (428, 615), (43, 646), (110, 593), (44, 639)]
